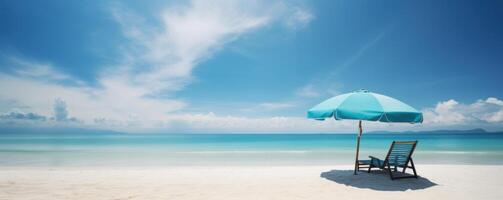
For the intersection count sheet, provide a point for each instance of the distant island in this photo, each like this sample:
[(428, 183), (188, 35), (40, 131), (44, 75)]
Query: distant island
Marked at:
[(468, 131)]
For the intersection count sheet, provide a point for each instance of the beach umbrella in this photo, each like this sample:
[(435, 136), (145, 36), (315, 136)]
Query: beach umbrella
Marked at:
[(364, 105)]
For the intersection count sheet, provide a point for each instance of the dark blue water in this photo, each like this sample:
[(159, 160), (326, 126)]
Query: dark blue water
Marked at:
[(238, 149)]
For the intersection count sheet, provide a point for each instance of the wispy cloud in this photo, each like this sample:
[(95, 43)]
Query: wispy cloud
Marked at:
[(138, 93), (307, 91), (23, 67), (299, 18), (326, 84), (157, 60), (361, 52), (318, 89), (190, 34)]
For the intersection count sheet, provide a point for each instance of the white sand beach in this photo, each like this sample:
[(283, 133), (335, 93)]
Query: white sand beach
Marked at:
[(249, 182)]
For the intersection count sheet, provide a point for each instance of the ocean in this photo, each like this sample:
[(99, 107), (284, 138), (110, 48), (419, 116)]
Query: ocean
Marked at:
[(137, 150)]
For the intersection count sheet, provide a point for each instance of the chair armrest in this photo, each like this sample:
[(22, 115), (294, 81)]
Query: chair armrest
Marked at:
[(372, 157), (376, 162)]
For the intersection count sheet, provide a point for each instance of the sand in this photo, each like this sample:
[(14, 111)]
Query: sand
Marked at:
[(249, 182)]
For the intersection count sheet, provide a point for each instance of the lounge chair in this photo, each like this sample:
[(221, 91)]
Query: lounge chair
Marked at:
[(399, 156)]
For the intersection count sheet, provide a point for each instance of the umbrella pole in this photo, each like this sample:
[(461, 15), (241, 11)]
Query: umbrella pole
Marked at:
[(358, 146)]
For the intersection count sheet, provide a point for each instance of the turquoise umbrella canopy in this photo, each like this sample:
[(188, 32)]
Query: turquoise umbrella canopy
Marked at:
[(364, 105)]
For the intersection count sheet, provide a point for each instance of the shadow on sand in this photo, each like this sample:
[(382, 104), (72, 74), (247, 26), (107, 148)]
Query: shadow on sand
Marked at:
[(376, 180)]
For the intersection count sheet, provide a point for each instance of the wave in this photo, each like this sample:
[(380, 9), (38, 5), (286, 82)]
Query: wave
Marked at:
[(461, 152), (247, 152)]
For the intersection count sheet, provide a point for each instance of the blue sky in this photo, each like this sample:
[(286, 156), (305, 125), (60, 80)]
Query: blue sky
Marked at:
[(241, 66)]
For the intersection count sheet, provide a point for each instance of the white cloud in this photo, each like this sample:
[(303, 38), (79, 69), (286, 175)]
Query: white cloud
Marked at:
[(211, 122), (265, 108), (445, 113), (190, 34), (113, 101), (157, 61), (124, 107), (275, 105), (496, 117), (495, 101), (160, 59), (487, 114), (451, 112)]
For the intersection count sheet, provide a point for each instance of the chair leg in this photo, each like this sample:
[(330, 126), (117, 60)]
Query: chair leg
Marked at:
[(390, 172), (357, 167), (404, 168), (370, 167), (413, 168)]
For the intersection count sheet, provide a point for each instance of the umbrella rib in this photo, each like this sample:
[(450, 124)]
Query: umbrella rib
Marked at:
[(380, 117), (382, 109), (386, 117)]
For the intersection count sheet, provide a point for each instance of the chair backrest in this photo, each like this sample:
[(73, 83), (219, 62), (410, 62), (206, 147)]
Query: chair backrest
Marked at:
[(400, 152)]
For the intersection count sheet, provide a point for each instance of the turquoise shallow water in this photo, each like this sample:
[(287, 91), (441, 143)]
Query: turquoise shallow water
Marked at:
[(238, 149)]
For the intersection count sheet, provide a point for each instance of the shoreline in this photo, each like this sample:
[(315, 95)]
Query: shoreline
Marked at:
[(248, 182), (219, 165)]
